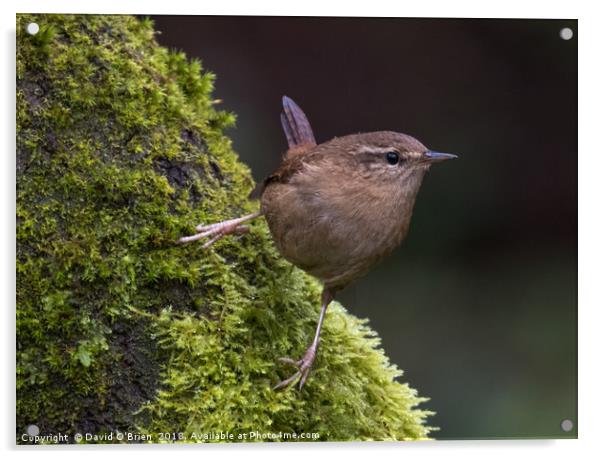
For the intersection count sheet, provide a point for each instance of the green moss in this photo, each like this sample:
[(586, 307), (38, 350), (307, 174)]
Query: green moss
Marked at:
[(119, 152)]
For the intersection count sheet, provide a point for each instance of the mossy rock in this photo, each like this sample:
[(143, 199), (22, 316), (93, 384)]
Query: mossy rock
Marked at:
[(120, 151)]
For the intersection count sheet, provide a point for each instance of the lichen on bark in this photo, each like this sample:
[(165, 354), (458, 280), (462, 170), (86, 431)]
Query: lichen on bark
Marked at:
[(120, 149)]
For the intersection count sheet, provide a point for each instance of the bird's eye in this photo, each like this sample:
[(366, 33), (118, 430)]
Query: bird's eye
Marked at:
[(392, 157)]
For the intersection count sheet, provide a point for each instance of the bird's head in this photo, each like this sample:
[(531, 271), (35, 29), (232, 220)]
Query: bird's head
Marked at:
[(384, 159)]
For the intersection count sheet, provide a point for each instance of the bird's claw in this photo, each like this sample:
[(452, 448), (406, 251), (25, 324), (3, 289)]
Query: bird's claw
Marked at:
[(289, 361), (303, 368), (215, 232)]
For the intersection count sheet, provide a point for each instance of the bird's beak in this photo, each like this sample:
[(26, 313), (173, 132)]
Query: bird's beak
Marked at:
[(435, 156)]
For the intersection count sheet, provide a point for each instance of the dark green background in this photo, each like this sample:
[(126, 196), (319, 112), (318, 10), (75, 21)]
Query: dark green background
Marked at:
[(479, 306)]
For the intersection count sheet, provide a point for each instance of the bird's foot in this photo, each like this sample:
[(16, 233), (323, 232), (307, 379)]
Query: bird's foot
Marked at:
[(303, 368), (216, 231)]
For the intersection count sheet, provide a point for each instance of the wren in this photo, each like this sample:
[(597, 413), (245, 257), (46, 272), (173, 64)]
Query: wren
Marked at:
[(334, 209)]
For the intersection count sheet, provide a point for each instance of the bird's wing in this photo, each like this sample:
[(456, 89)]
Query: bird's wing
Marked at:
[(288, 169), (283, 174)]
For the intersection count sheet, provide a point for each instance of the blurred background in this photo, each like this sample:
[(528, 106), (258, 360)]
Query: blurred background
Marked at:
[(479, 305)]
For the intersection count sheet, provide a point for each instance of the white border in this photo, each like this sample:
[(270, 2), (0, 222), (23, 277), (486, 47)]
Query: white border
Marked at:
[(590, 228), (424, 8)]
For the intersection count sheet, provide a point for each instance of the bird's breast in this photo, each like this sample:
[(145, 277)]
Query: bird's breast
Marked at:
[(333, 233)]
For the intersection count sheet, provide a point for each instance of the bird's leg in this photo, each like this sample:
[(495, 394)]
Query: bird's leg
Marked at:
[(304, 365), (216, 231)]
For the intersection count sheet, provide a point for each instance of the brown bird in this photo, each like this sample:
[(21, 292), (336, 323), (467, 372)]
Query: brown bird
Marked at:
[(335, 209)]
